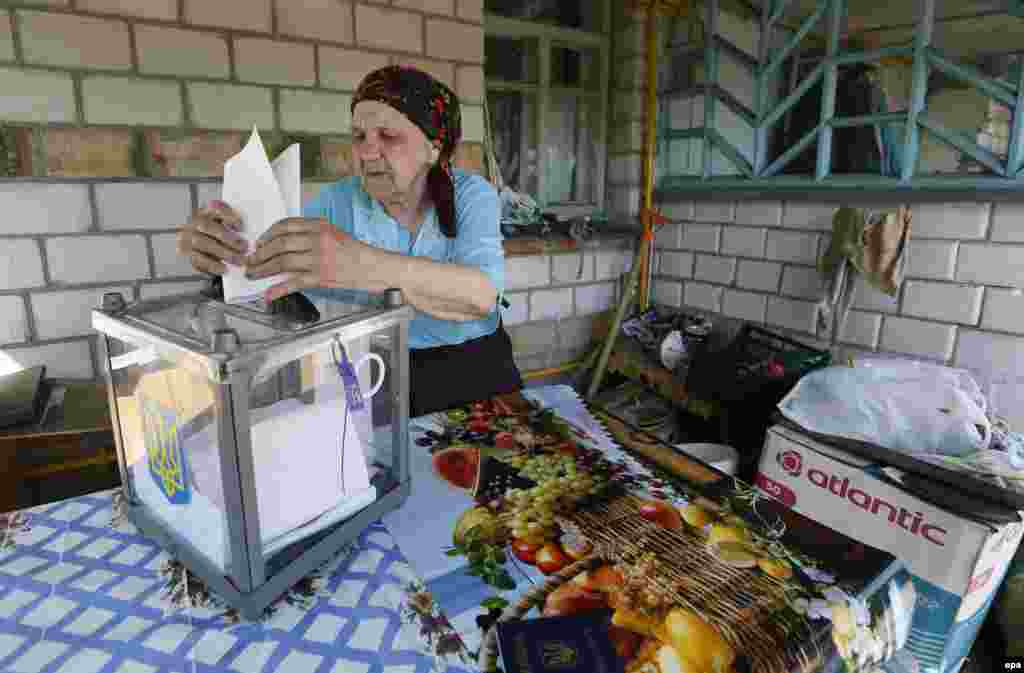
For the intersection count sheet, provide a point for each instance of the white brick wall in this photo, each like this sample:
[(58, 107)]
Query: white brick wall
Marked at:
[(669, 235), (1007, 219), (759, 275), (97, 259), (126, 100), (789, 246), (958, 304), (594, 298), (70, 359), (168, 261), (703, 296), (14, 326), (743, 241), (44, 209), (21, 264), (917, 337), (566, 268), (43, 97), (1004, 310), (931, 259), (861, 329), (69, 313), (871, 298), (713, 212), (991, 264), (678, 264), (157, 290), (951, 220), (142, 205), (523, 272), (802, 282), (791, 314), (518, 310), (316, 111), (667, 292), (701, 237), (551, 304), (612, 264), (748, 306), (764, 213), (808, 216), (943, 301), (714, 269)]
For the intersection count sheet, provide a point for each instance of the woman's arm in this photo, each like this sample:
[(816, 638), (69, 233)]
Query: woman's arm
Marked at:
[(316, 254), (467, 287), (445, 291)]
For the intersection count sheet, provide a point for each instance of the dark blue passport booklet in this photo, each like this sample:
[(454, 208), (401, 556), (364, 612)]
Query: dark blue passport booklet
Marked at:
[(578, 643)]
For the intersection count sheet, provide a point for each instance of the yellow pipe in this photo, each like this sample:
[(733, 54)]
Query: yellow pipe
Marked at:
[(551, 371), (650, 129)]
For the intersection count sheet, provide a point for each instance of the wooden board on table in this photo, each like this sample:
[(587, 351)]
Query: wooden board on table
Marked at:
[(74, 437)]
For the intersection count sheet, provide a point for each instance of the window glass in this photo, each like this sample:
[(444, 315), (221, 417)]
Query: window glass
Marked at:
[(570, 151), (513, 129), (574, 67), (510, 59), (579, 14)]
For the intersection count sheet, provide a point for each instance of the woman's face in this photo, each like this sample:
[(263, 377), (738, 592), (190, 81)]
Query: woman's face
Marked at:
[(391, 153)]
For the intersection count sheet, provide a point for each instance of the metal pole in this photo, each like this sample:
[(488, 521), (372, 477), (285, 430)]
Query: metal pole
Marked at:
[(919, 88), (828, 89), (760, 86), (711, 77), (1016, 149), (650, 132)]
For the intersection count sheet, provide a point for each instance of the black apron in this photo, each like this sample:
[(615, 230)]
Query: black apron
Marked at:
[(444, 377)]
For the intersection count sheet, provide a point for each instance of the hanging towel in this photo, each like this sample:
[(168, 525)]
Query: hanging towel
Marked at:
[(873, 245)]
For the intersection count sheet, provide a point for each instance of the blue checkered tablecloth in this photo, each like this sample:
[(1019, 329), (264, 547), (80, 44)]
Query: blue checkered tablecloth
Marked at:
[(81, 592)]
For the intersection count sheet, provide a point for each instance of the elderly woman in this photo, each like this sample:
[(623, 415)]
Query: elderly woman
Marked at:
[(405, 220)]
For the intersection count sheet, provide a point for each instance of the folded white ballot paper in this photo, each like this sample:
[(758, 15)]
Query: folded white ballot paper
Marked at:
[(306, 461), (262, 193)]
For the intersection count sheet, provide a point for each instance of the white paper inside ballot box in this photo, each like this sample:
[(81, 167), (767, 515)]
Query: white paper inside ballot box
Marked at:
[(302, 467)]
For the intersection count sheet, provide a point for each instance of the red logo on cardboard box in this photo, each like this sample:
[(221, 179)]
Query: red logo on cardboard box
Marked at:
[(791, 462), (780, 492)]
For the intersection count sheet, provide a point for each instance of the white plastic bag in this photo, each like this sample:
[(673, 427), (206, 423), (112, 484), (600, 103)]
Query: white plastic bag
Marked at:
[(906, 406)]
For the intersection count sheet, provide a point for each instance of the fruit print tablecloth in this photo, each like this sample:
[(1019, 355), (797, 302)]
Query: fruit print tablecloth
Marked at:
[(569, 454)]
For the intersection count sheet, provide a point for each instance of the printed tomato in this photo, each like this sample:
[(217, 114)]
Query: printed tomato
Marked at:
[(525, 550), (504, 440), (551, 558), (458, 465)]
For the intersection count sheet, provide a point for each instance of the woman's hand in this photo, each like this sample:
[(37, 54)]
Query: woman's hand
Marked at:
[(313, 253), (211, 237)]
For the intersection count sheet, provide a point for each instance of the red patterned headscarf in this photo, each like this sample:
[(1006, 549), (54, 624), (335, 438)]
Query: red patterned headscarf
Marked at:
[(434, 108)]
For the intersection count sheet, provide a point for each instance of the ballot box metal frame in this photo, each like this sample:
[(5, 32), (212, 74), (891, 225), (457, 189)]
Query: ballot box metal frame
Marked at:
[(248, 583)]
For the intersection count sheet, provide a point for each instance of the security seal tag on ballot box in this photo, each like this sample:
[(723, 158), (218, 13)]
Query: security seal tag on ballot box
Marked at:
[(353, 395)]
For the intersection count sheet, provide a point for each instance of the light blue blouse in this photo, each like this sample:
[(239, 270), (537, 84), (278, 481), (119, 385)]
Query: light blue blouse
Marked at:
[(478, 240)]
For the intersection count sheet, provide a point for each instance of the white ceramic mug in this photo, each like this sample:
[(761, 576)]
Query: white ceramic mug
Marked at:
[(358, 362)]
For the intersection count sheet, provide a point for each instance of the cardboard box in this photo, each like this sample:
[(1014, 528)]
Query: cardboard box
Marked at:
[(957, 558)]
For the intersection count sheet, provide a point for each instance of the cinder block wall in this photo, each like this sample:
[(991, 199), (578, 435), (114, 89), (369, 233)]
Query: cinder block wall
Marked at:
[(555, 299), (755, 261), (157, 88), (626, 113), (116, 117), (960, 302)]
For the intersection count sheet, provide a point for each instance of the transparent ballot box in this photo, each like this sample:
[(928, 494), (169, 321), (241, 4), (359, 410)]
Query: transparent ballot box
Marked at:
[(255, 443)]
